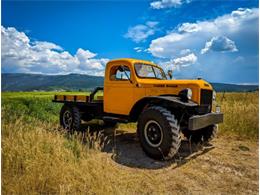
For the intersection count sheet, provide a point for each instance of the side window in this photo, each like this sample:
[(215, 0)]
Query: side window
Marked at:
[(120, 73)]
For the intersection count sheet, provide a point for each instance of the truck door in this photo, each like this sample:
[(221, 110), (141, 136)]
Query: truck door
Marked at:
[(118, 90)]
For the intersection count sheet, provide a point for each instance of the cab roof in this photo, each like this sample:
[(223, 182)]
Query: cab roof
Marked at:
[(133, 60)]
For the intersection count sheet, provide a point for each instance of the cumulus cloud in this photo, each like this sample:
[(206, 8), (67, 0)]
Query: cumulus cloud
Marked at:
[(185, 60), (43, 45), (20, 54), (163, 4), (220, 44), (240, 26), (141, 32), (236, 31), (178, 63), (185, 51), (189, 27), (241, 12)]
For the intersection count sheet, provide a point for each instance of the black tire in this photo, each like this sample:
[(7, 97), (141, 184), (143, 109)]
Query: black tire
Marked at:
[(70, 118), (204, 135), (159, 133)]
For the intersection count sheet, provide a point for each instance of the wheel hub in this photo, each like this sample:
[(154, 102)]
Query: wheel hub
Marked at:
[(67, 119), (153, 133)]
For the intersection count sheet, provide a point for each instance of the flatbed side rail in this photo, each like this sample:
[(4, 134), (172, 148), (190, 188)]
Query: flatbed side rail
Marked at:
[(71, 98), (77, 98)]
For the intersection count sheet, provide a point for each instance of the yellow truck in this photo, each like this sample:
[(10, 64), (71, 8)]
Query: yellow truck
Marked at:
[(138, 91)]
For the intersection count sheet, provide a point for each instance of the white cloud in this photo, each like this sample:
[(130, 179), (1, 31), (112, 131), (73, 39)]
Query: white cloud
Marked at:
[(85, 54), (20, 54), (138, 49), (189, 27), (220, 44), (151, 24), (161, 4), (239, 26), (177, 63), (43, 45), (241, 12), (141, 32), (185, 60), (185, 51)]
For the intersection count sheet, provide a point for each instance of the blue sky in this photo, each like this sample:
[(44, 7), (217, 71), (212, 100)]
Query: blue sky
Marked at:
[(215, 40)]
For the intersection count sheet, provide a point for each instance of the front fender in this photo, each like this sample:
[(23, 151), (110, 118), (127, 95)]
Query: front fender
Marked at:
[(175, 101), (164, 101)]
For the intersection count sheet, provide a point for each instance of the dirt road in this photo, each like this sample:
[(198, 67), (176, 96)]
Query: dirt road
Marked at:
[(227, 166)]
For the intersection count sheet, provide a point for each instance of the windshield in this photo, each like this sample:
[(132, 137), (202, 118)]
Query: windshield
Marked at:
[(149, 71)]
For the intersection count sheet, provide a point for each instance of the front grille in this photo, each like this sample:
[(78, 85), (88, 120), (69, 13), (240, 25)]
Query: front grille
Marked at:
[(203, 109), (205, 97)]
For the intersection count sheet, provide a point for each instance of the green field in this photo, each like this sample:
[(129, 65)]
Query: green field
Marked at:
[(241, 110), (38, 157)]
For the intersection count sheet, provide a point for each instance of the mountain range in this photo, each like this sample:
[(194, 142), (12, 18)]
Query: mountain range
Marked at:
[(79, 82)]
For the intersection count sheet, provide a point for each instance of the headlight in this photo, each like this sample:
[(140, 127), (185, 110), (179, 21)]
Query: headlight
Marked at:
[(214, 96), (189, 95), (185, 94)]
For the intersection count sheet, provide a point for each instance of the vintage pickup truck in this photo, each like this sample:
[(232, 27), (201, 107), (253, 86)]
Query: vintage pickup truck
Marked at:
[(138, 91)]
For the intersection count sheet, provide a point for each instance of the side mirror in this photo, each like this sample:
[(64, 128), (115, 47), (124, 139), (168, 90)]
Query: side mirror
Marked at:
[(170, 74)]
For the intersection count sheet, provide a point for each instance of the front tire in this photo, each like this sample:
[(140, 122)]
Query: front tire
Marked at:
[(159, 134), (70, 118)]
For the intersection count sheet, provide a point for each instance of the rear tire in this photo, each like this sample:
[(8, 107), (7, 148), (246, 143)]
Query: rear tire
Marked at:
[(204, 135), (159, 134), (70, 118)]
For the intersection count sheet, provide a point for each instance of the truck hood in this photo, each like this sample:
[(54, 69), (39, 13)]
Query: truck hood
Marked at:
[(175, 83)]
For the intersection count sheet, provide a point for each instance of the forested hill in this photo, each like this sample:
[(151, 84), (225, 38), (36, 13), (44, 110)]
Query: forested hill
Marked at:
[(79, 82)]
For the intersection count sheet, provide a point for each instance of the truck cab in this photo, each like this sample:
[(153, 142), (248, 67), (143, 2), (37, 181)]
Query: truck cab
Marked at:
[(128, 81), (139, 91)]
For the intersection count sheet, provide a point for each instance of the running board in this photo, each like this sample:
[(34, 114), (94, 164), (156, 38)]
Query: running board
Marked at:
[(110, 118)]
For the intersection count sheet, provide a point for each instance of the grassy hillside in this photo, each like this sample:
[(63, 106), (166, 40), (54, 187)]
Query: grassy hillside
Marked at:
[(220, 87), (39, 157), (77, 82), (30, 82)]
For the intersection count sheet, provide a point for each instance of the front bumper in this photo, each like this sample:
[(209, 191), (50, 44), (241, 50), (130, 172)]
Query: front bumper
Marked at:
[(200, 121)]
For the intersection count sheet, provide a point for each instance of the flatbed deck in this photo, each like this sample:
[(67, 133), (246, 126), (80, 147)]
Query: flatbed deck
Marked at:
[(75, 98), (71, 98), (80, 98)]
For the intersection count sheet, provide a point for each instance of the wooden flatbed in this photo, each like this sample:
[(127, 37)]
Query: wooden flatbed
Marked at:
[(71, 98), (80, 98), (87, 104), (76, 98)]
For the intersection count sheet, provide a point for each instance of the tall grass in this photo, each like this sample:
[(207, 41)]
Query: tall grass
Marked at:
[(240, 114), (40, 161), (39, 158)]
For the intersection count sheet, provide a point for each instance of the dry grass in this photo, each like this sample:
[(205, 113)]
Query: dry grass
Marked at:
[(38, 158), (240, 114)]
